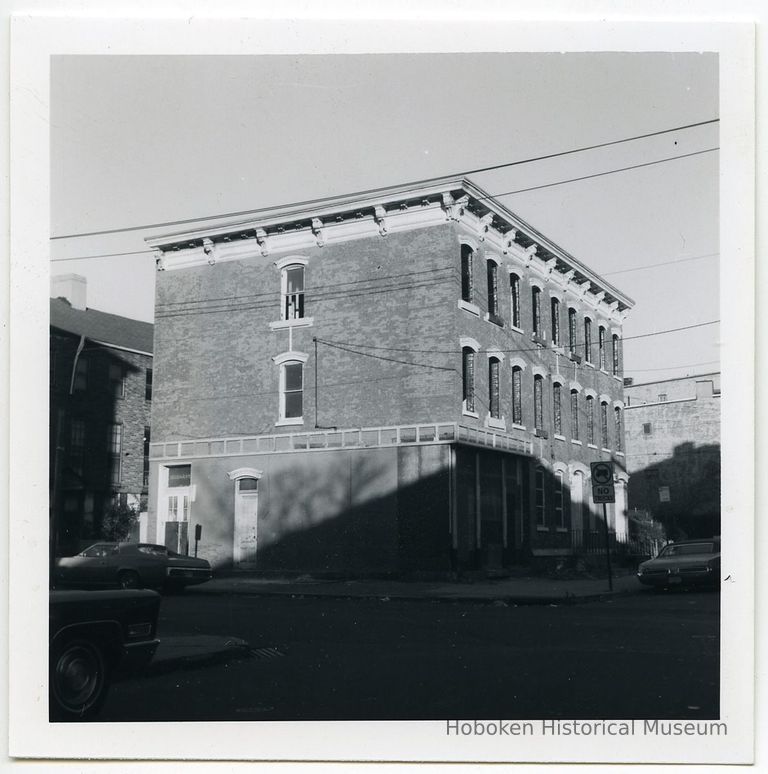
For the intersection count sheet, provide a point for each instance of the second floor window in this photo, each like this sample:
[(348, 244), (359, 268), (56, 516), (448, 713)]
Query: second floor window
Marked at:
[(572, 331), (292, 391), (590, 420), (575, 415), (148, 385), (557, 418), (604, 424), (115, 453), (493, 289), (467, 259), (517, 395), (538, 405), (536, 310), (587, 340), (468, 378), (514, 289), (601, 346), (555, 308), (493, 387), (293, 292)]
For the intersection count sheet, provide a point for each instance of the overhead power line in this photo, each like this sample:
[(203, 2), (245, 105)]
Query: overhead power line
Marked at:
[(100, 255), (240, 213), (656, 265)]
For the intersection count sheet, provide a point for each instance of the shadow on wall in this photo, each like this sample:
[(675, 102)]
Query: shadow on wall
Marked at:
[(681, 492), (351, 518)]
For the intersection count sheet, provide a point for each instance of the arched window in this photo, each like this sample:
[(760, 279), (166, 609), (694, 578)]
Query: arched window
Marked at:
[(468, 379), (517, 395), (575, 415), (292, 287), (590, 420), (536, 310), (615, 369), (538, 403), (555, 308), (601, 347), (514, 289), (619, 429), (467, 259), (572, 331), (604, 424), (557, 419), (493, 289), (493, 387), (587, 340)]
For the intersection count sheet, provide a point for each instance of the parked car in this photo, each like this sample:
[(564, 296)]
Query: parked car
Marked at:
[(96, 637), (684, 563), (131, 566)]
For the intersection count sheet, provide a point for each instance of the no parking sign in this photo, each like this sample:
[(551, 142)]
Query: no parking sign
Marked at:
[(602, 482)]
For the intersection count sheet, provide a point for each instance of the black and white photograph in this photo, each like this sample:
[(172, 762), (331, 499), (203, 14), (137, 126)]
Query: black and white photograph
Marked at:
[(391, 385)]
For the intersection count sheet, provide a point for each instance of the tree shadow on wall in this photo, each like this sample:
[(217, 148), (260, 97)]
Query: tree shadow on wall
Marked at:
[(681, 492)]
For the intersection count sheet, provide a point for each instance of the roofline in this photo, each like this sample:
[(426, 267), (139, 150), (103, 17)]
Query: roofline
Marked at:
[(107, 344), (673, 379), (318, 208)]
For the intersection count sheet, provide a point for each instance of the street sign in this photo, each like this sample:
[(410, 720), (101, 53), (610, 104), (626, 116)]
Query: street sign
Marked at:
[(602, 482)]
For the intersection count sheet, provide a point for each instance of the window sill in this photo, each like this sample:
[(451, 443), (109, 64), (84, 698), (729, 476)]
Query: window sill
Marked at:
[(606, 450), (472, 414), (300, 322), (576, 442), (518, 427), (619, 454), (562, 529), (558, 348), (559, 437), (591, 446), (496, 424), (618, 378), (494, 318), (588, 364), (515, 328), (289, 422), (541, 528), (468, 307)]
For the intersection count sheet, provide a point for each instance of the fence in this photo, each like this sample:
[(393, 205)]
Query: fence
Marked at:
[(593, 542)]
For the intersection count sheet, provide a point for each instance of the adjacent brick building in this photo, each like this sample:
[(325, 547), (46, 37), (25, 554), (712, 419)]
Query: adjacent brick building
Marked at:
[(673, 442), (412, 379), (100, 398)]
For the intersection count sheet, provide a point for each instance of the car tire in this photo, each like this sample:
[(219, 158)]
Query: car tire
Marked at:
[(79, 679), (128, 579)]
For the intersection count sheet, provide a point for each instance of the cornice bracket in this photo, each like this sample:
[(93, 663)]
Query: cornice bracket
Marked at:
[(159, 260), (210, 250), (380, 216), (317, 230), (261, 238), (508, 240), (485, 225)]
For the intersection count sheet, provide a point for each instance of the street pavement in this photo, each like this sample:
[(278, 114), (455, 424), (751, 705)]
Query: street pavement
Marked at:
[(294, 657)]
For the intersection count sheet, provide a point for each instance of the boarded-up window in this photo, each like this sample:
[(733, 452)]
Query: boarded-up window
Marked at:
[(538, 405), (493, 387), (536, 309), (493, 288), (604, 424), (575, 415), (601, 346), (179, 475), (514, 289), (615, 355), (468, 378), (517, 395), (557, 419), (467, 256), (590, 419), (619, 433), (572, 331), (587, 340), (555, 308)]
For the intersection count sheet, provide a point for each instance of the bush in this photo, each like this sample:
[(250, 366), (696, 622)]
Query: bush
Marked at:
[(118, 522)]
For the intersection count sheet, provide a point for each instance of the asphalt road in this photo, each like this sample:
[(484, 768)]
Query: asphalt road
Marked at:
[(642, 656)]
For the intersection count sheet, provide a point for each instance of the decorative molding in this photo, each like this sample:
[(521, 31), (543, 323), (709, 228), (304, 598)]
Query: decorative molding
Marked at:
[(468, 341), (485, 225), (291, 260), (619, 404), (498, 354), (234, 475), (589, 393), (317, 230), (299, 322), (292, 355), (518, 362), (464, 239), (538, 370), (210, 250), (605, 398), (575, 386), (261, 238), (380, 216)]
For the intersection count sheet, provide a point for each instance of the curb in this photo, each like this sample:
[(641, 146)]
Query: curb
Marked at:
[(567, 599), (233, 649)]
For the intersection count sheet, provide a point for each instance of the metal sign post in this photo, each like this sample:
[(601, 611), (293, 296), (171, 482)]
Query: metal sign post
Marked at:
[(603, 492)]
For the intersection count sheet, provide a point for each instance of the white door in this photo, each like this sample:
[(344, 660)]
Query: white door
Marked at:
[(246, 522)]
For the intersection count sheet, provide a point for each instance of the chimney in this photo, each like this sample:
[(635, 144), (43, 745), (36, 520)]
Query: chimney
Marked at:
[(71, 287)]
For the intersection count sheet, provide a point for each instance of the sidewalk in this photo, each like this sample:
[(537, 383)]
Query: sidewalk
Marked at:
[(511, 591)]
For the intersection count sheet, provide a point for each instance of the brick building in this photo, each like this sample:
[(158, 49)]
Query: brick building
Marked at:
[(100, 398), (411, 379), (673, 457)]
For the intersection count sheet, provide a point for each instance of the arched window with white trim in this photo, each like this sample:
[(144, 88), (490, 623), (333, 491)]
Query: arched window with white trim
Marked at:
[(292, 288), (292, 390), (514, 290)]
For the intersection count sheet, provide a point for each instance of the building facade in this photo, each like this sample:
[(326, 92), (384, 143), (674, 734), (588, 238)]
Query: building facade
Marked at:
[(409, 380), (673, 443), (100, 398)]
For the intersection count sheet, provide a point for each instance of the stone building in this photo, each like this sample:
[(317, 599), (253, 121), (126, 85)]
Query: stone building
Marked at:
[(673, 452), (410, 379), (100, 398)]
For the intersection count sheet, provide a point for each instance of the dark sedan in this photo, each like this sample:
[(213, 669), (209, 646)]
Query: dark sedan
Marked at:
[(131, 566), (685, 563)]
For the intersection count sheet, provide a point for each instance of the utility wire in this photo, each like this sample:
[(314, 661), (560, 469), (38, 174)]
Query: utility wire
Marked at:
[(418, 182), (656, 265), (100, 255)]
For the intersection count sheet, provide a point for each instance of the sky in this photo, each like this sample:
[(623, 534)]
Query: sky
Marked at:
[(140, 140)]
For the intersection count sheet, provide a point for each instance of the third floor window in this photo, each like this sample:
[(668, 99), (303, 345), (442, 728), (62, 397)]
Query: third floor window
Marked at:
[(467, 259), (536, 310), (514, 289), (493, 289), (555, 308), (293, 292)]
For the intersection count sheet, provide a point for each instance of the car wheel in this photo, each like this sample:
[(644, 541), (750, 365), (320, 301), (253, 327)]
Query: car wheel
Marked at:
[(128, 579), (78, 680)]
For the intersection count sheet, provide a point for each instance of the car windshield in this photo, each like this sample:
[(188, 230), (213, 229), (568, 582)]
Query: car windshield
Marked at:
[(687, 549), (153, 550), (100, 550)]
